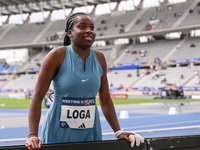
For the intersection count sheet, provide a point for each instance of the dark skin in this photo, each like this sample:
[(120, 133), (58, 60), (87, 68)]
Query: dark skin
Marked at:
[(82, 36)]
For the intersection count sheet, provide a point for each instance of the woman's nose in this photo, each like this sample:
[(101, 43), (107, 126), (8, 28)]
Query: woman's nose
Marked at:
[(88, 30)]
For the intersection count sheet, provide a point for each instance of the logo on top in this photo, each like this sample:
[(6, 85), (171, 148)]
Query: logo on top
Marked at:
[(84, 80), (87, 103)]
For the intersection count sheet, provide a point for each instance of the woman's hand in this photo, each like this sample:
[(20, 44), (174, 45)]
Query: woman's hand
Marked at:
[(132, 138), (33, 143)]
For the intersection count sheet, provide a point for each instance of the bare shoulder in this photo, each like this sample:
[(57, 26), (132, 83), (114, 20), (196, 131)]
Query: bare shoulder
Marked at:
[(101, 58), (98, 52), (54, 60), (99, 55), (59, 51), (57, 54)]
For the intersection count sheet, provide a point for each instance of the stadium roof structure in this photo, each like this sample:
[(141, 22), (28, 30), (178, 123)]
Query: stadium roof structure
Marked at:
[(9, 7)]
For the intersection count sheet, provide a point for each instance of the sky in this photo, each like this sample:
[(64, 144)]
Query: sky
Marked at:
[(101, 9)]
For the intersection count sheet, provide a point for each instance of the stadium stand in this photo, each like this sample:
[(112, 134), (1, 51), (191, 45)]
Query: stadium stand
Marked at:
[(194, 81), (113, 22), (22, 81), (26, 33), (171, 74), (167, 50), (167, 15), (12, 68), (38, 57), (2, 68), (193, 17), (56, 26), (186, 51), (4, 79), (153, 49), (40, 31), (120, 78)]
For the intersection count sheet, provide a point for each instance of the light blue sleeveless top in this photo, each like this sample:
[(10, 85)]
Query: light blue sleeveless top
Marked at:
[(73, 82)]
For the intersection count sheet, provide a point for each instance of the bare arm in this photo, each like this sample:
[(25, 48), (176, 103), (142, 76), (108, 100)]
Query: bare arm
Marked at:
[(108, 107), (104, 96), (50, 68)]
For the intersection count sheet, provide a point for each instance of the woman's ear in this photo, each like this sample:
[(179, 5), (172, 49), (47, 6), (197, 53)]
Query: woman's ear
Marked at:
[(69, 33)]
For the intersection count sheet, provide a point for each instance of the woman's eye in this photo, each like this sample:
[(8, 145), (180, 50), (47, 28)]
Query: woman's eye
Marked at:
[(82, 27)]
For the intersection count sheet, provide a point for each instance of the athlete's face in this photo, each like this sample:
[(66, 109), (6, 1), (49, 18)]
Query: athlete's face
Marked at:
[(82, 34)]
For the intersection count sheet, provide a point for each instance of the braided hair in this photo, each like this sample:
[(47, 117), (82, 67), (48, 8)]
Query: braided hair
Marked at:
[(69, 26)]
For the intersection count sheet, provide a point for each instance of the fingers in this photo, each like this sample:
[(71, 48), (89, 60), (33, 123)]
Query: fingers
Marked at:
[(140, 138), (40, 144), (33, 144), (136, 138), (124, 136), (27, 145), (132, 137)]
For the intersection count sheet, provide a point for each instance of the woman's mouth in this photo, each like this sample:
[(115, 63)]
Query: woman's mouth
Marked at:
[(88, 38)]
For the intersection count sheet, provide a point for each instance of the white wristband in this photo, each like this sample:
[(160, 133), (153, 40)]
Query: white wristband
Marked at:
[(117, 133)]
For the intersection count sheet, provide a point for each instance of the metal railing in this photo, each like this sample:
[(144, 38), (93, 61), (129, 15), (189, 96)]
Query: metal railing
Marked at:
[(159, 143)]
